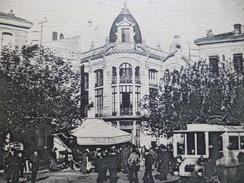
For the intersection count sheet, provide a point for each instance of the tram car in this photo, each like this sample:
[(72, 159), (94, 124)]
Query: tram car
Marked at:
[(200, 142)]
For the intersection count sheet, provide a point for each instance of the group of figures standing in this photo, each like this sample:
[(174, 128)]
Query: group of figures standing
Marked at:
[(130, 160), (15, 166)]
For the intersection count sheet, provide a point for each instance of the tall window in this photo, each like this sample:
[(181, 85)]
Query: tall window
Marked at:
[(7, 39), (238, 62), (137, 75), (214, 64), (126, 100), (86, 81), (114, 75), (114, 100), (138, 97), (153, 75), (99, 78), (99, 102), (125, 35), (166, 77), (125, 72)]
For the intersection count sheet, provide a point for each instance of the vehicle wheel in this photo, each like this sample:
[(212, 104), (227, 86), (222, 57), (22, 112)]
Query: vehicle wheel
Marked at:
[(76, 166)]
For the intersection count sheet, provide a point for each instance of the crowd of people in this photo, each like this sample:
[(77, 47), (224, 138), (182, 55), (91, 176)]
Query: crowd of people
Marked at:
[(108, 162), (130, 159)]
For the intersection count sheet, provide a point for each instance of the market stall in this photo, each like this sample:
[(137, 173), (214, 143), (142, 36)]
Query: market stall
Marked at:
[(94, 131)]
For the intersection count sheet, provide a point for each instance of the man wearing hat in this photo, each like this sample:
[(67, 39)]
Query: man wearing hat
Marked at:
[(149, 160)]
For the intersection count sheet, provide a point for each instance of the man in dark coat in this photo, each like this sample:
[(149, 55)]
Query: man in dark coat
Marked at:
[(149, 160), (100, 163), (35, 161), (112, 166), (11, 165), (163, 165)]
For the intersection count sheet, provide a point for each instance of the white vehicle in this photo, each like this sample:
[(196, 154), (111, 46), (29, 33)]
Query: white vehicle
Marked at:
[(202, 141)]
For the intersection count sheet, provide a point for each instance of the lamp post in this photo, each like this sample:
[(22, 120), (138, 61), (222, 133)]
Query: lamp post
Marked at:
[(41, 23)]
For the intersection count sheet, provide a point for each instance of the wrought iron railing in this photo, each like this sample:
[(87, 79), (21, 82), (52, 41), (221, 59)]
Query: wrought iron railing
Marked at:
[(137, 80), (125, 79), (126, 111), (114, 79)]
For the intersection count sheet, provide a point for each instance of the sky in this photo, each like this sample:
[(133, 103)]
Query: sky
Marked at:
[(159, 20)]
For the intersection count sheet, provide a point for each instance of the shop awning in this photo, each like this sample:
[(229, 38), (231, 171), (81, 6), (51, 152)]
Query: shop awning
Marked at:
[(95, 131)]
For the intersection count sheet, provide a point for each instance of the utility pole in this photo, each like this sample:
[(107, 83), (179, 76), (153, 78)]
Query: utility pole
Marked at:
[(41, 23)]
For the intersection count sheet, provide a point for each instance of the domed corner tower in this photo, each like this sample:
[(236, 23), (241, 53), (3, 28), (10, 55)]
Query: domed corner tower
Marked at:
[(125, 28)]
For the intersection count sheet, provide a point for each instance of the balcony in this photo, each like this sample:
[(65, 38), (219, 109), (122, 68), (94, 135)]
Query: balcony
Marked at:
[(137, 80), (114, 79), (126, 111), (125, 79)]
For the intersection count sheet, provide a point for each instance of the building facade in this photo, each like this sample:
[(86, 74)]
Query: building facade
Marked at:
[(66, 48), (116, 76), (13, 30), (223, 47)]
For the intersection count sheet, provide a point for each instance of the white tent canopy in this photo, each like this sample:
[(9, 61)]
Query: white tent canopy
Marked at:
[(95, 131)]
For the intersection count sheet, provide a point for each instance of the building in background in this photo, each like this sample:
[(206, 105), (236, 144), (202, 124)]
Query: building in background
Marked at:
[(227, 46), (13, 30), (117, 75), (67, 48)]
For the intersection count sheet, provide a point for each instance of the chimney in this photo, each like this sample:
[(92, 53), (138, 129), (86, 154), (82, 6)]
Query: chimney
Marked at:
[(237, 29), (55, 36), (210, 33), (61, 36)]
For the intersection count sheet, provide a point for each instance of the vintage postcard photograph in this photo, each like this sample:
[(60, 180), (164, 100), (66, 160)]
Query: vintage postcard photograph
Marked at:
[(122, 91)]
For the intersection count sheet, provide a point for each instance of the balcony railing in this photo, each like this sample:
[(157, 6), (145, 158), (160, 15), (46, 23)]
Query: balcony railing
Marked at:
[(114, 79), (137, 80), (125, 79), (126, 111)]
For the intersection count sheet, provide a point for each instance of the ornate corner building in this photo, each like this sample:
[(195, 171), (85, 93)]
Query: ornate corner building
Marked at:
[(116, 76)]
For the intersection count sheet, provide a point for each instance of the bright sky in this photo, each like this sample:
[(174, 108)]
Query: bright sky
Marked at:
[(159, 20)]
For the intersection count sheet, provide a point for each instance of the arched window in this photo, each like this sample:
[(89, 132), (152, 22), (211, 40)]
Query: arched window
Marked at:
[(125, 72), (153, 77), (98, 78), (7, 39), (114, 75), (166, 77), (137, 75)]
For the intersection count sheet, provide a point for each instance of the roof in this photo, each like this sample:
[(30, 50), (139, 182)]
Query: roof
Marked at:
[(95, 131), (125, 13), (220, 38), (12, 20)]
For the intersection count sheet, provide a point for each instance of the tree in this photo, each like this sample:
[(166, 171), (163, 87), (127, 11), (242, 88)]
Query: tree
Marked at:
[(192, 95), (40, 94)]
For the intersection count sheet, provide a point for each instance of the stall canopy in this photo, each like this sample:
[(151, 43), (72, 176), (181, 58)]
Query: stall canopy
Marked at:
[(95, 131)]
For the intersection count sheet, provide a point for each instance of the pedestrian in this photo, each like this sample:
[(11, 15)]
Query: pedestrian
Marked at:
[(97, 160), (21, 166), (100, 167), (163, 165), (134, 166), (35, 163), (124, 159), (53, 160), (149, 161), (112, 160), (84, 162), (11, 164), (239, 177)]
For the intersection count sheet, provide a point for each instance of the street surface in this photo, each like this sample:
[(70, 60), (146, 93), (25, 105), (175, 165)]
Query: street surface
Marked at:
[(72, 176)]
